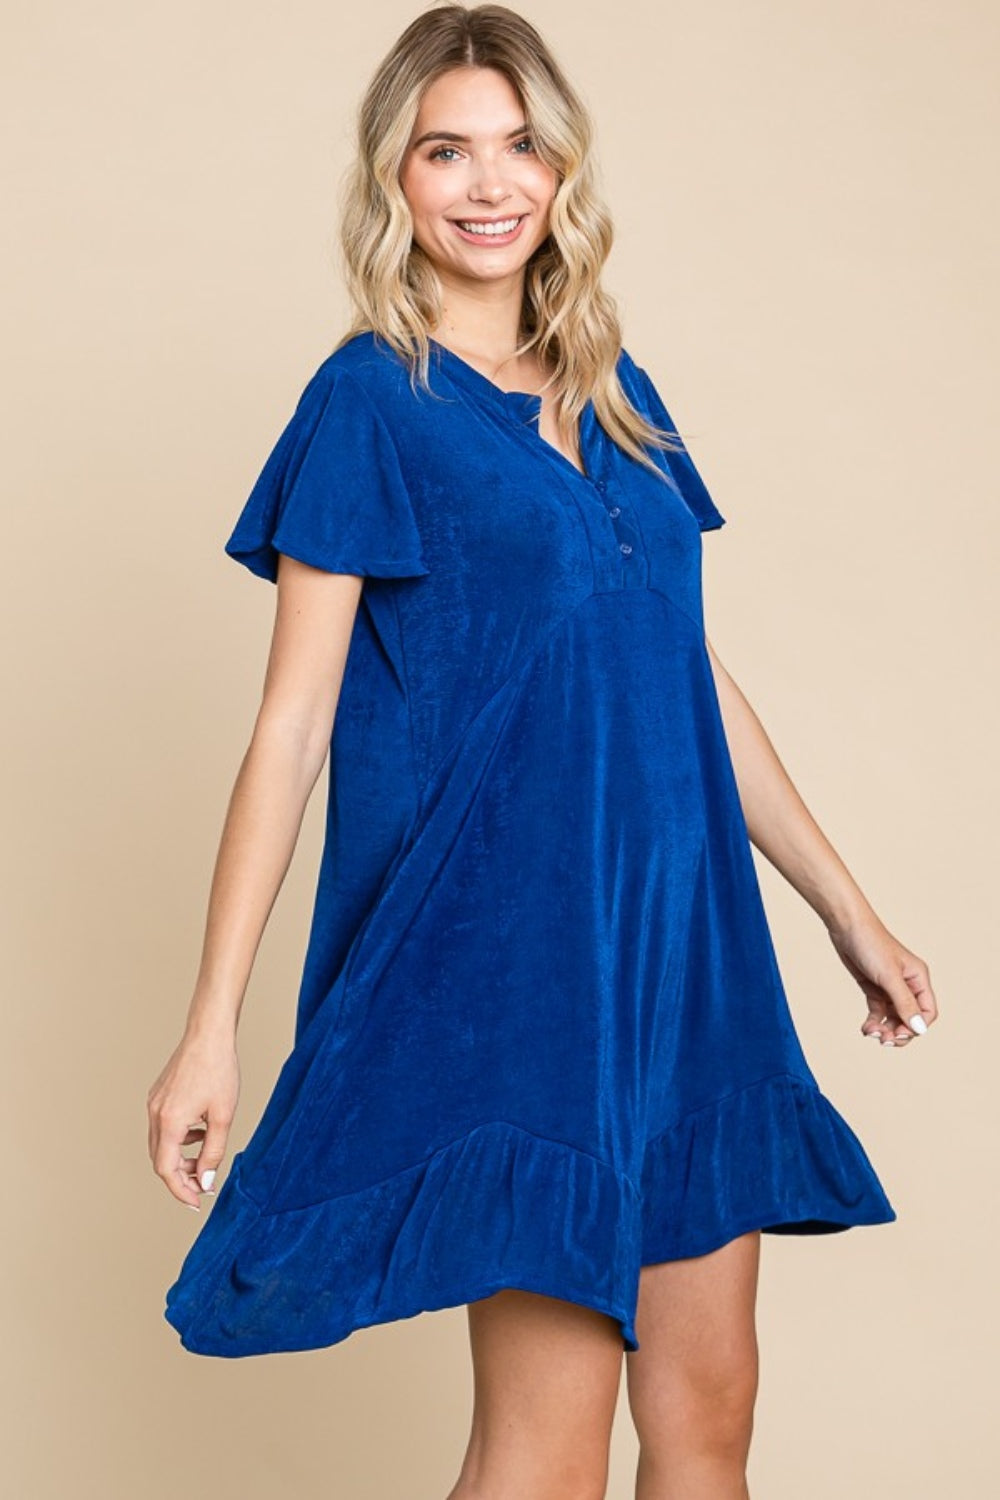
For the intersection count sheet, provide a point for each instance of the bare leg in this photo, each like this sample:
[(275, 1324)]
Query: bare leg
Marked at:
[(692, 1383), (546, 1381)]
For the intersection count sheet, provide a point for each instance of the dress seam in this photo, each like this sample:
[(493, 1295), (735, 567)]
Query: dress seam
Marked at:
[(618, 1173), (699, 627), (733, 1093), (539, 645)]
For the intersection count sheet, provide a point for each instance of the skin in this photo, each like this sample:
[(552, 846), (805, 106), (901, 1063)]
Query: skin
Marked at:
[(546, 1371)]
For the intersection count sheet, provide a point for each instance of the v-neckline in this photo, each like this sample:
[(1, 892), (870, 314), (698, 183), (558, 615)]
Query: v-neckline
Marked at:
[(524, 407)]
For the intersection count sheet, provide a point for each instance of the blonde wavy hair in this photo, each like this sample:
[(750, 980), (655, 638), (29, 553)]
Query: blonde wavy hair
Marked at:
[(566, 315)]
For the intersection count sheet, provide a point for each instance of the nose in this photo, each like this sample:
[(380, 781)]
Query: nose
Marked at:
[(490, 185), (490, 198)]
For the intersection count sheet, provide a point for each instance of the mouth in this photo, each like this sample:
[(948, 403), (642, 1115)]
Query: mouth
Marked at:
[(495, 231)]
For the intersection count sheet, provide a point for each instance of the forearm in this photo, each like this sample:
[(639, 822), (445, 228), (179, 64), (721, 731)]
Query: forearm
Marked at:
[(778, 821), (258, 840)]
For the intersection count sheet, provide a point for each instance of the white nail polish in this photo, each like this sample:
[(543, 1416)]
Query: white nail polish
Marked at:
[(207, 1178), (888, 1042), (917, 1023)]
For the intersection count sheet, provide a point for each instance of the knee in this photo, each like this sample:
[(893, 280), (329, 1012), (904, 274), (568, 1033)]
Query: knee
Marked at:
[(708, 1408), (717, 1416)]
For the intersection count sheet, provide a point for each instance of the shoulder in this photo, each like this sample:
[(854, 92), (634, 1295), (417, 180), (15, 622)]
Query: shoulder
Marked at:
[(640, 389), (633, 379), (366, 373)]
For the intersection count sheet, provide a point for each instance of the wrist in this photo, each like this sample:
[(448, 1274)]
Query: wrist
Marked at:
[(846, 912), (209, 1034), (212, 1018)]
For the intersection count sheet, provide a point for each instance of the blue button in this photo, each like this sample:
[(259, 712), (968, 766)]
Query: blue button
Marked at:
[(600, 484), (625, 547), (615, 510)]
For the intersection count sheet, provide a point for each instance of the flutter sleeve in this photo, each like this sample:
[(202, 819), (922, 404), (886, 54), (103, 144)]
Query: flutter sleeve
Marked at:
[(679, 465), (331, 493)]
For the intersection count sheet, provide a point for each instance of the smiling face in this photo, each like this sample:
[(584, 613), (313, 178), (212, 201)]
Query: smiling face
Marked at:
[(471, 161)]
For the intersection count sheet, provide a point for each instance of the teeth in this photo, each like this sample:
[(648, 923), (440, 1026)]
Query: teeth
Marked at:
[(505, 226)]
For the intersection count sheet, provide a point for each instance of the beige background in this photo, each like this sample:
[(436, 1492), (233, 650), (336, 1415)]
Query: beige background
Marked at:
[(807, 224)]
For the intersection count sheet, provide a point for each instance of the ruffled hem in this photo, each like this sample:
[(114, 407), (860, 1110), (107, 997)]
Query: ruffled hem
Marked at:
[(529, 1213), (775, 1155)]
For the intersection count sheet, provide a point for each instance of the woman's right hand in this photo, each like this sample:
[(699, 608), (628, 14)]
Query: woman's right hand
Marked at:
[(193, 1099)]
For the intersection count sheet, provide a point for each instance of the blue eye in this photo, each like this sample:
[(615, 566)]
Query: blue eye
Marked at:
[(437, 156)]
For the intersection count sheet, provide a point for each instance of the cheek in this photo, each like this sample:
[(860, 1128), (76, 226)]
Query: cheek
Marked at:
[(432, 196), (420, 188), (541, 182)]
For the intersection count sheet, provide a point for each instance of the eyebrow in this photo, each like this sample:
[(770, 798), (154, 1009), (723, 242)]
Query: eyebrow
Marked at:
[(463, 140)]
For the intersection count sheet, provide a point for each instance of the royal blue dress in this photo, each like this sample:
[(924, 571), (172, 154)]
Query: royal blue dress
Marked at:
[(541, 1038)]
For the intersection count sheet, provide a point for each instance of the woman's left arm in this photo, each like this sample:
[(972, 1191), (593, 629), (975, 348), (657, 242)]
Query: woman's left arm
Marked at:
[(895, 982)]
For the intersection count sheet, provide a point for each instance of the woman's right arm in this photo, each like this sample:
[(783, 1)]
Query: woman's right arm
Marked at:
[(195, 1095)]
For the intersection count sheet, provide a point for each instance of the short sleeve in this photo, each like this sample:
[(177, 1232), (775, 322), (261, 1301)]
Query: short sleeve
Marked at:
[(331, 493), (680, 464)]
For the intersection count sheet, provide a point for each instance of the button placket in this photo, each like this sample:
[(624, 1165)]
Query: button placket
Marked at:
[(630, 563), (614, 510), (601, 485)]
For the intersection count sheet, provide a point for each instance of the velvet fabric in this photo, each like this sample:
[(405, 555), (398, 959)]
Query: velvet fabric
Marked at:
[(541, 1037)]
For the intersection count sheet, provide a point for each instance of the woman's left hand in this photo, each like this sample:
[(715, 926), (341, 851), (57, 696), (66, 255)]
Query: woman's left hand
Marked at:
[(896, 983)]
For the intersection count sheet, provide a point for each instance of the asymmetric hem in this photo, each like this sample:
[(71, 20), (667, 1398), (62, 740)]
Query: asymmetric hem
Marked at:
[(544, 1216)]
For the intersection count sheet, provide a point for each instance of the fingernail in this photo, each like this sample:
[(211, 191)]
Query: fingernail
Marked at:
[(888, 1042), (207, 1178), (195, 1206), (918, 1024)]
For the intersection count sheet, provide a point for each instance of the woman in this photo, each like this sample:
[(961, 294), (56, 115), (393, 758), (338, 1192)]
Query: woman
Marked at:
[(543, 1063)]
